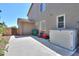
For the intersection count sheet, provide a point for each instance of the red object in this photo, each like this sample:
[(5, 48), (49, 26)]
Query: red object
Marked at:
[(44, 36)]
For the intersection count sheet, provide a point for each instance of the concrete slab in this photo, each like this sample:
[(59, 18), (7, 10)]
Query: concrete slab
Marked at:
[(58, 49), (28, 46)]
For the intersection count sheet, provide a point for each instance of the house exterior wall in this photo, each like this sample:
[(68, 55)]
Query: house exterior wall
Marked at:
[(71, 11), (20, 29), (25, 28)]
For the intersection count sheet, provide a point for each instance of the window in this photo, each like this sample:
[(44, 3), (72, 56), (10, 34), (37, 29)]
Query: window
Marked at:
[(42, 7), (61, 21)]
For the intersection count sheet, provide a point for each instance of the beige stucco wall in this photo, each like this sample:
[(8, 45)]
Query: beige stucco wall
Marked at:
[(26, 28), (71, 11)]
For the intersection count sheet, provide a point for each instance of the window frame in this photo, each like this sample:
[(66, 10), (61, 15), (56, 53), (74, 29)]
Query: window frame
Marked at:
[(58, 21)]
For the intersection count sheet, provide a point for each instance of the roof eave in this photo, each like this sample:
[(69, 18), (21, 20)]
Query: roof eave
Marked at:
[(30, 9)]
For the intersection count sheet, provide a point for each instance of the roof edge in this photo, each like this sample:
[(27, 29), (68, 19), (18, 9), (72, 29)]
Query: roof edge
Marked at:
[(30, 9), (21, 20)]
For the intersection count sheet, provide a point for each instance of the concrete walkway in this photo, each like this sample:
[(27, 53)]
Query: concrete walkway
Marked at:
[(28, 46)]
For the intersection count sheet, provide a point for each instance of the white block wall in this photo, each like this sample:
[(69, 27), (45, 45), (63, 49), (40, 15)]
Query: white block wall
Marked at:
[(64, 38)]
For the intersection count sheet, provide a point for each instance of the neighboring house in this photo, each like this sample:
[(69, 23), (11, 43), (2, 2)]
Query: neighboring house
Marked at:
[(25, 26), (49, 16)]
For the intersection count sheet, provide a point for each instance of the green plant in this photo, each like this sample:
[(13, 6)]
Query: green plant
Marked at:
[(2, 26), (1, 52), (1, 29), (2, 43)]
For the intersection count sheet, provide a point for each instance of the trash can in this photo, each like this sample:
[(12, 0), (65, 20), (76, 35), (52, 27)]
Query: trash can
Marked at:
[(34, 32)]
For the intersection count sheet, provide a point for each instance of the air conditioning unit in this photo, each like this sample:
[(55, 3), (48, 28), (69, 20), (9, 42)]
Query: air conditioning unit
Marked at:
[(64, 38)]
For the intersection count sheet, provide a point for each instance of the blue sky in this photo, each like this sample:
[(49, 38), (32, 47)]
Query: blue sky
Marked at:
[(12, 11)]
